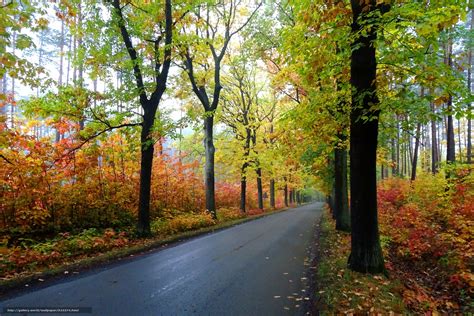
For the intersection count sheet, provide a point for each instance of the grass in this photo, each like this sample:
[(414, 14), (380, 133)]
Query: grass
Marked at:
[(342, 291)]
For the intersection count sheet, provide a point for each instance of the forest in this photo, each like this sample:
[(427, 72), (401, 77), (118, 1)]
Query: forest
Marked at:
[(126, 123)]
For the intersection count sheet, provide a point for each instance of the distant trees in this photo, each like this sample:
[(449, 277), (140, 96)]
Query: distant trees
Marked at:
[(245, 108)]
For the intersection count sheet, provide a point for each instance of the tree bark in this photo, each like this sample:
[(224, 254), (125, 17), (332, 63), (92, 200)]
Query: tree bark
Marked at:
[(434, 143), (286, 193), (272, 193), (469, 87), (394, 157), (61, 68), (397, 164), (243, 172), (415, 153), (209, 179), (366, 252), (451, 146), (259, 188), (450, 149), (146, 164), (341, 203), (3, 91), (243, 193)]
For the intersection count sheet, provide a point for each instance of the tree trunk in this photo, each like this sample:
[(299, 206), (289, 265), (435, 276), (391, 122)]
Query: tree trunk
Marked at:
[(451, 149), (80, 61), (61, 69), (451, 146), (415, 153), (209, 165), (259, 188), (146, 164), (341, 204), (291, 197), (366, 253), (70, 54), (459, 141), (272, 193), (434, 144), (243, 173), (397, 163), (286, 194), (469, 87), (3, 91), (243, 193), (394, 168)]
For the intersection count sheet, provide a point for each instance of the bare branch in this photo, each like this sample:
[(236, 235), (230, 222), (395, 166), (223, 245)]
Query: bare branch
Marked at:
[(246, 22), (108, 129), (5, 158)]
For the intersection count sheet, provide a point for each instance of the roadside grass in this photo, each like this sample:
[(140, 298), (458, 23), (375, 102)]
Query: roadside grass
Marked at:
[(92, 248), (342, 291)]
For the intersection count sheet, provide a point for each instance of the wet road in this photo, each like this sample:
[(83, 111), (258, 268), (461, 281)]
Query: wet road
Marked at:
[(256, 268)]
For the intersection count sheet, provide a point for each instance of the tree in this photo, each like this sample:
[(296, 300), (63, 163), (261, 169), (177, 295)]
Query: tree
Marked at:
[(469, 88), (149, 103), (240, 113), (215, 24), (366, 253)]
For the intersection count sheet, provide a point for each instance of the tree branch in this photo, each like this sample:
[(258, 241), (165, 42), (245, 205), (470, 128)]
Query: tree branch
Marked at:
[(6, 159), (131, 51), (108, 129)]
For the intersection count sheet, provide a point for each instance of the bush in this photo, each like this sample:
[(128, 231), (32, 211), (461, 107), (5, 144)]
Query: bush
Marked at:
[(430, 225), (228, 214), (26, 257), (181, 223)]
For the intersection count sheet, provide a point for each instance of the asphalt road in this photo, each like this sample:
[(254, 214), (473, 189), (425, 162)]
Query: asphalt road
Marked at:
[(256, 268)]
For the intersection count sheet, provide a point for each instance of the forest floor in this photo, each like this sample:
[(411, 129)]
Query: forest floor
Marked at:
[(72, 253), (342, 291), (402, 290)]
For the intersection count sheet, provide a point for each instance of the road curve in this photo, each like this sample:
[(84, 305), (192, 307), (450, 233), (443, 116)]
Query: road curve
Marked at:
[(256, 268)]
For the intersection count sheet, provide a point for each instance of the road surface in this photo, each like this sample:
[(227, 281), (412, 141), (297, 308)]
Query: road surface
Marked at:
[(256, 268)]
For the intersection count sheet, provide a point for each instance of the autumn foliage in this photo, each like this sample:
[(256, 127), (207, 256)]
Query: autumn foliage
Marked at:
[(427, 228), (65, 200)]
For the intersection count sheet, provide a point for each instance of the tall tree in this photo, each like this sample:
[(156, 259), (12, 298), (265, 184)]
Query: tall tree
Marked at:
[(245, 110), (216, 24), (451, 145), (366, 252), (149, 103), (238, 112), (469, 88)]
